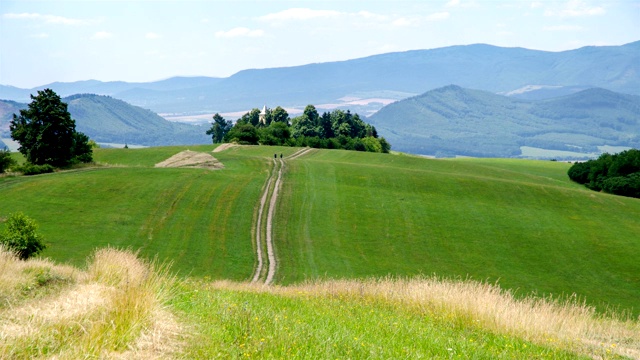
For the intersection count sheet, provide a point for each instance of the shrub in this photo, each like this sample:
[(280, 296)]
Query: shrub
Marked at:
[(32, 169), (6, 161), (21, 236)]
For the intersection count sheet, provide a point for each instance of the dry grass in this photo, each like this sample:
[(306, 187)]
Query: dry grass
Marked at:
[(115, 309), (191, 159), (569, 324)]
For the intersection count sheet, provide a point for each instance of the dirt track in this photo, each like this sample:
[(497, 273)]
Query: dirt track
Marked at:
[(270, 198)]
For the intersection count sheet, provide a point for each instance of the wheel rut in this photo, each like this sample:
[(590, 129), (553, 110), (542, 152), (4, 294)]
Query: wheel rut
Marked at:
[(264, 221)]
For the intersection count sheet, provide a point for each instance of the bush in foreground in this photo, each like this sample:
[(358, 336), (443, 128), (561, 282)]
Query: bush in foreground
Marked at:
[(21, 236)]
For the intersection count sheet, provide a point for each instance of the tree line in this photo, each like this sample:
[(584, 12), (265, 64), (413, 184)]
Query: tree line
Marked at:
[(616, 174), (337, 129)]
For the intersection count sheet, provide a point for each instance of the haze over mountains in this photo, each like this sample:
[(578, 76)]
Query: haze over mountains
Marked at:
[(573, 100), (392, 76)]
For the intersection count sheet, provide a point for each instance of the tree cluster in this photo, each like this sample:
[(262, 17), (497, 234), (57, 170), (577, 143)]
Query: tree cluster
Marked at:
[(616, 174), (331, 130), (47, 133)]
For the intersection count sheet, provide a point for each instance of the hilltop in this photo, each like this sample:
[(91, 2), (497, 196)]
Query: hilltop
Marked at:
[(378, 79), (456, 121)]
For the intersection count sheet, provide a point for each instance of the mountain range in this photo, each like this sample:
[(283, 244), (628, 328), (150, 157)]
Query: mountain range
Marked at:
[(518, 72), (108, 120), (455, 121)]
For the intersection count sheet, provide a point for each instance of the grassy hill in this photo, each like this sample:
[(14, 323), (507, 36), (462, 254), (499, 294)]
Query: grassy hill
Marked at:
[(348, 215), (519, 226), (456, 121)]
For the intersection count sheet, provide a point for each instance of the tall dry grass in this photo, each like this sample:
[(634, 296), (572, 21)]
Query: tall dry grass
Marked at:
[(116, 308), (570, 324)]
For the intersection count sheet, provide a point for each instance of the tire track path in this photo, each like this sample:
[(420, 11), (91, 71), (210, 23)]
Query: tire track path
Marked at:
[(268, 203)]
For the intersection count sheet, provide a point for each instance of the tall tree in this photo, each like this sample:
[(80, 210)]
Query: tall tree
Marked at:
[(252, 117), (219, 128), (312, 114), (47, 133), (280, 115)]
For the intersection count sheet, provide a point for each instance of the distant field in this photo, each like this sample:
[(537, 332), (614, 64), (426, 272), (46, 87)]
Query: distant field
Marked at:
[(520, 223), (345, 214)]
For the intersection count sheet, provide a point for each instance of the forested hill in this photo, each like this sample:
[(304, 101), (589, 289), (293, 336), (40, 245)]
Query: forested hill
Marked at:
[(108, 120), (7, 109), (455, 121), (392, 75)]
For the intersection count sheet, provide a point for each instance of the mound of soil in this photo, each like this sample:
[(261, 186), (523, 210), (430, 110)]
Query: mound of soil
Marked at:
[(224, 147), (191, 159)]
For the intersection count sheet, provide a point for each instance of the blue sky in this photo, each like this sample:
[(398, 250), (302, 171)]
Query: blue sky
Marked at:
[(46, 41)]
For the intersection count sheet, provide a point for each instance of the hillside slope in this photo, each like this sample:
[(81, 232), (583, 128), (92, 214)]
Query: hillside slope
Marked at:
[(343, 214), (479, 66), (105, 119), (108, 120), (456, 121)]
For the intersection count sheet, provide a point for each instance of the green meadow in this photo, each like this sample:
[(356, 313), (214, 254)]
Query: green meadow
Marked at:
[(520, 224), (199, 219)]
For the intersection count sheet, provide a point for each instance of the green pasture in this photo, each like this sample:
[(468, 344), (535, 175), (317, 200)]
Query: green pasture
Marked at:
[(345, 214), (520, 223), (198, 219), (251, 324)]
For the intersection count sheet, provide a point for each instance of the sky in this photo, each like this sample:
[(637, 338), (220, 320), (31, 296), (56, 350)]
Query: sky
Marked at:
[(139, 41)]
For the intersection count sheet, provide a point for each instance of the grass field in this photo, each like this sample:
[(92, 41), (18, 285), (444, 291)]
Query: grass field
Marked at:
[(199, 219), (123, 307), (342, 214), (520, 223)]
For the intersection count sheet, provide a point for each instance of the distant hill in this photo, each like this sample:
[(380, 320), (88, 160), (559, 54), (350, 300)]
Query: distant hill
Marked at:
[(108, 120), (485, 67), (455, 121), (7, 109)]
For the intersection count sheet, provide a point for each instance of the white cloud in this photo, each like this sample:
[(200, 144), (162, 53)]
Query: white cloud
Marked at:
[(460, 4), (47, 19), (403, 21), (575, 8), (535, 5), (39, 36), (562, 28), (438, 16), (152, 35), (371, 16), (240, 32), (300, 14), (101, 35)]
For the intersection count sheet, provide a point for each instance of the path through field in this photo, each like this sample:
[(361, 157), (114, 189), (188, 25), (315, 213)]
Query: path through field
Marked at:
[(270, 198)]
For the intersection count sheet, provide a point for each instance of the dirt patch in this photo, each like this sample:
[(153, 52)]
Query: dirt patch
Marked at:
[(191, 159), (224, 147)]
